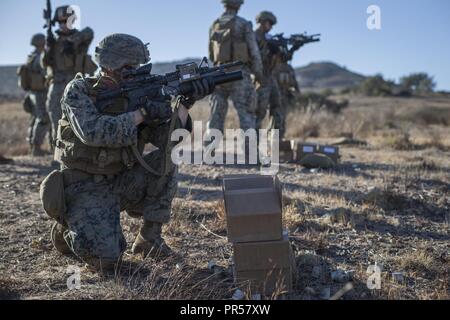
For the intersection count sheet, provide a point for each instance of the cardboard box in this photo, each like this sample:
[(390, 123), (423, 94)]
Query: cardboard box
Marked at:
[(249, 181), (264, 267), (303, 149), (330, 151), (253, 207)]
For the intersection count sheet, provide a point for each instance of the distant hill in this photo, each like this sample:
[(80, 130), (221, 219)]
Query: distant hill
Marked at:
[(324, 75), (8, 83), (319, 75), (166, 67)]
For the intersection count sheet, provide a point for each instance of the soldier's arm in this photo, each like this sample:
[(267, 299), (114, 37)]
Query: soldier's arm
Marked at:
[(255, 54), (83, 37), (93, 128)]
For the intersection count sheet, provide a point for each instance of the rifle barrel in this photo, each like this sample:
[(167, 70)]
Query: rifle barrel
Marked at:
[(228, 77)]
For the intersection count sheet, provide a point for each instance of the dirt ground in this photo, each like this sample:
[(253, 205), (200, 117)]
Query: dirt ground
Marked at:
[(388, 203)]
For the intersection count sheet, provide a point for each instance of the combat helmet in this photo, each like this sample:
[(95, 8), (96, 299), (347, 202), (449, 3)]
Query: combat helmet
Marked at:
[(118, 50), (62, 14), (233, 3), (38, 40), (266, 16)]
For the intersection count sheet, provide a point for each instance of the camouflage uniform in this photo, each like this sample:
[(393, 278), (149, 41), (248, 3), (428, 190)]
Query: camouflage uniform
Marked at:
[(96, 195), (102, 171), (287, 83), (40, 122), (64, 58), (268, 92), (242, 93)]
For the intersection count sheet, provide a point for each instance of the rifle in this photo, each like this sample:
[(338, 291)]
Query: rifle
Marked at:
[(302, 39), (142, 85), (289, 45), (49, 23)]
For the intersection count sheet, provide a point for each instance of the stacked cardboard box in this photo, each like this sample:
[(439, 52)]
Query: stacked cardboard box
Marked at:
[(262, 253)]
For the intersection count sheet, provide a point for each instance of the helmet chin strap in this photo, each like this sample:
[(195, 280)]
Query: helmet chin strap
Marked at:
[(106, 75)]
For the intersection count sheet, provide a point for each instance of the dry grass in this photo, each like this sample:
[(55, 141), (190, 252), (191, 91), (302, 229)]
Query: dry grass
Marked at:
[(417, 262), (387, 203), (292, 217), (14, 124)]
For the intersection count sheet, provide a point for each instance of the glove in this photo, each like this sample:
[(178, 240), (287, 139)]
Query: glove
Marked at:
[(68, 47), (156, 111), (202, 88)]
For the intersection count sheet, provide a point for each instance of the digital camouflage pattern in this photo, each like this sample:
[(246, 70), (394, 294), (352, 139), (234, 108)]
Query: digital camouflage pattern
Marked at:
[(243, 96), (94, 201), (119, 50), (242, 93), (92, 128)]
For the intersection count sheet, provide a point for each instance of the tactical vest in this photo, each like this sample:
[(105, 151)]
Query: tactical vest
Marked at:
[(31, 78), (74, 154), (72, 63), (227, 46)]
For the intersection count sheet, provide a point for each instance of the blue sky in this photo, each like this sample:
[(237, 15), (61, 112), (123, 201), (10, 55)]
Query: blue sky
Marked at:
[(415, 34)]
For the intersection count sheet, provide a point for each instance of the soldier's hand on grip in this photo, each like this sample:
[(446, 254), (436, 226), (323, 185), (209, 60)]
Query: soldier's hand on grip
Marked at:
[(202, 88), (156, 111)]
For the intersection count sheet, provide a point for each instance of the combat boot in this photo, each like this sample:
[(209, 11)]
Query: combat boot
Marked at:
[(57, 237), (150, 243)]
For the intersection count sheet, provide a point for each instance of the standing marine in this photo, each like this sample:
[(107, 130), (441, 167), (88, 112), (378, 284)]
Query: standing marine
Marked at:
[(287, 83), (284, 72), (32, 80), (102, 172), (65, 56), (268, 92), (231, 38)]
